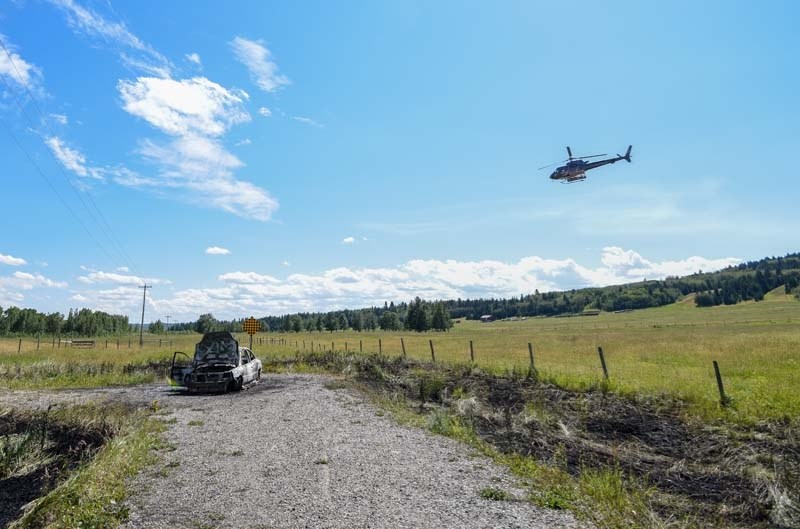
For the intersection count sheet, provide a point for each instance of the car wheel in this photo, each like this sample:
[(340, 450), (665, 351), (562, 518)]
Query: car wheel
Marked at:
[(237, 385), (258, 375)]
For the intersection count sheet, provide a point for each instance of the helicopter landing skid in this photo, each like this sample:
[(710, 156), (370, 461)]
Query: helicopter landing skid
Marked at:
[(574, 180)]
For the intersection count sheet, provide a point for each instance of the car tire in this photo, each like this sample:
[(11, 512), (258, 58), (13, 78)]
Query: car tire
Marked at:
[(237, 384), (258, 375)]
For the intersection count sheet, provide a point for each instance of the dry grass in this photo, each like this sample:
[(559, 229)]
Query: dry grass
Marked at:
[(668, 349)]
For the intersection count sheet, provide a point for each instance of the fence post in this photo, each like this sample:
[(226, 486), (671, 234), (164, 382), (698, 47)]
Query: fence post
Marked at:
[(345, 348), (361, 346), (403, 345), (117, 343), (54, 342), (471, 352), (380, 347), (106, 344), (433, 354), (129, 343), (332, 346), (603, 362), (19, 347), (37, 343), (724, 400), (530, 354)]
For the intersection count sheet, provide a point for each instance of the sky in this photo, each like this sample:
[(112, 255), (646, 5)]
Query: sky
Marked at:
[(274, 157)]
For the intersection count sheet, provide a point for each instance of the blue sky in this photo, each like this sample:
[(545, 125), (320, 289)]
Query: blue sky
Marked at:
[(273, 157)]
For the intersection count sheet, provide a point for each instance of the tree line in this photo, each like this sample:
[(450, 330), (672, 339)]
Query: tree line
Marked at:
[(15, 321)]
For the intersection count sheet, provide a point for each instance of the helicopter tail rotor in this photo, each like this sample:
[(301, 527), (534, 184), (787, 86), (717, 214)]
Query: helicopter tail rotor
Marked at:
[(627, 156)]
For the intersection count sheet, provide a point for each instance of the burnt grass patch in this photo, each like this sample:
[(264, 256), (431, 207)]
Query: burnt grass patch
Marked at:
[(713, 474), (37, 451)]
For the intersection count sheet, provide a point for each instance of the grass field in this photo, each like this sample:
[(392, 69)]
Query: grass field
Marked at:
[(664, 350)]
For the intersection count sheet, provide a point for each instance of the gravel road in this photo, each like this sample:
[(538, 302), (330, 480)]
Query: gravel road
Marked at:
[(291, 453)]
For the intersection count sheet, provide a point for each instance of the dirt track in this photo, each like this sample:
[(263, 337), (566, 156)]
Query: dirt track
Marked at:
[(289, 452)]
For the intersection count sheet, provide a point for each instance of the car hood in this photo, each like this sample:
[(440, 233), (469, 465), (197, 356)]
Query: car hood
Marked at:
[(217, 348)]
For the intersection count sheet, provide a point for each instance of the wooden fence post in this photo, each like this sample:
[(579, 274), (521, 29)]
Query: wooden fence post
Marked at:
[(19, 347), (403, 345), (433, 354), (471, 352), (37, 343), (530, 354), (106, 344), (724, 400), (332, 346), (380, 347), (54, 342), (361, 346), (345, 348), (117, 343), (603, 362)]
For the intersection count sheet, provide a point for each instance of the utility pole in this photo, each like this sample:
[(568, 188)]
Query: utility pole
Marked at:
[(141, 327), (167, 318)]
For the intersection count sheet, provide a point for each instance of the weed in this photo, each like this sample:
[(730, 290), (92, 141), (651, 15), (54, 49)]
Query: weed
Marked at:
[(195, 422), (322, 461), (495, 494)]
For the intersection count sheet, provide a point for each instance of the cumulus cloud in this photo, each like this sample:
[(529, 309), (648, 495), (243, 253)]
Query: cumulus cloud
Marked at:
[(194, 58), (216, 250), (264, 111), (98, 276), (196, 113), (188, 106), (348, 240), (258, 60), (254, 292), (132, 50), (11, 260), (27, 281)]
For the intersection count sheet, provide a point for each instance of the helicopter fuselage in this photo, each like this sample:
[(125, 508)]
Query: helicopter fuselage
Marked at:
[(575, 170)]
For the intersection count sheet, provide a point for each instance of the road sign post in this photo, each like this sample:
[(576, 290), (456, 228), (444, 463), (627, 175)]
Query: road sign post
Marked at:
[(251, 326)]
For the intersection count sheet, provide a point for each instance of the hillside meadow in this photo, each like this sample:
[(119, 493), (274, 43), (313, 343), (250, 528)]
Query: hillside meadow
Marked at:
[(668, 349)]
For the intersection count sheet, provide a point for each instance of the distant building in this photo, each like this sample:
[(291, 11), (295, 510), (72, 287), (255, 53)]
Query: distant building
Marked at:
[(486, 318)]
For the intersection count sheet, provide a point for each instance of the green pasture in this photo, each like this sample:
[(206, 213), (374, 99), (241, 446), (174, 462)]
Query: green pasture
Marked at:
[(663, 350)]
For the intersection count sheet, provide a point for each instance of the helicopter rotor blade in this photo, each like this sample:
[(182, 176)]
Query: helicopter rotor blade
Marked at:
[(546, 166), (569, 152), (592, 156)]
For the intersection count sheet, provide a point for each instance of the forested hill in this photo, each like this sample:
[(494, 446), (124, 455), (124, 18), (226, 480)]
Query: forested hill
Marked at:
[(747, 281)]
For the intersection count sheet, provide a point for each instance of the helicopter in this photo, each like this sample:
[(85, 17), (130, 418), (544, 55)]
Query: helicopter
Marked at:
[(576, 167)]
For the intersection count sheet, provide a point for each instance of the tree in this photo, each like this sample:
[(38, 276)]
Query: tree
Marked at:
[(297, 324), (357, 322), (156, 327), (440, 319), (331, 322), (205, 323), (389, 321)]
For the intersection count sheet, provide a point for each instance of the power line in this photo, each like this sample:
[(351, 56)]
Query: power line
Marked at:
[(49, 183), (104, 226)]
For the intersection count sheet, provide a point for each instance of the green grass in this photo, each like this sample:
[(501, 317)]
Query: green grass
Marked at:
[(92, 495), (663, 350)]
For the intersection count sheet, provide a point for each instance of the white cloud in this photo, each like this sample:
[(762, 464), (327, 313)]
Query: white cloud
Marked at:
[(196, 112), (189, 106), (123, 269), (27, 281), (348, 240), (264, 111), (99, 276), (246, 141), (61, 119), (19, 71), (194, 58), (258, 60), (11, 260), (85, 21), (257, 293), (216, 250), (307, 121), (286, 263), (72, 159)]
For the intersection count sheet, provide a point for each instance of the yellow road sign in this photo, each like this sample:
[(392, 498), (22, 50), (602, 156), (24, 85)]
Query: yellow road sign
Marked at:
[(251, 325)]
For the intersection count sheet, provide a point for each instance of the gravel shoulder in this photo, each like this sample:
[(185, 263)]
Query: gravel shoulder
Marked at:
[(289, 452)]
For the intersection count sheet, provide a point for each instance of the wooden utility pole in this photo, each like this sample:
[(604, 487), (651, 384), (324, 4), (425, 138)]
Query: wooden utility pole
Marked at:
[(141, 327)]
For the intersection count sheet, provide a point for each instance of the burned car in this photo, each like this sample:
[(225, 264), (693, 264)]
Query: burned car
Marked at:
[(219, 364)]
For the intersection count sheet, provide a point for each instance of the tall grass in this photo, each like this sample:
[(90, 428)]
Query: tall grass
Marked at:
[(663, 350)]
